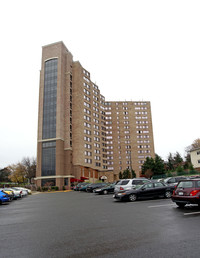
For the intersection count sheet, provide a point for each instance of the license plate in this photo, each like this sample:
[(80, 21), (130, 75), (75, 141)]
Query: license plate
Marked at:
[(180, 193)]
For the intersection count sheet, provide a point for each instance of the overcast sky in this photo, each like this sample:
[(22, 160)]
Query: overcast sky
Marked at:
[(134, 50)]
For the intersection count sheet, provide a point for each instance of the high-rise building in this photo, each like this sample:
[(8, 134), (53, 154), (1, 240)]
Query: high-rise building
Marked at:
[(80, 134)]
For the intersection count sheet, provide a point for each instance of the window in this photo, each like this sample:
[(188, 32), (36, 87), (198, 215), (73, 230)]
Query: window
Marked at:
[(147, 186), (88, 139), (50, 99), (49, 158), (87, 146), (48, 182), (186, 184), (88, 161), (158, 185), (87, 131)]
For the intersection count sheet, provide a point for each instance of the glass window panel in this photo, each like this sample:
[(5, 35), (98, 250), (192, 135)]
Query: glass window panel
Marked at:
[(50, 99)]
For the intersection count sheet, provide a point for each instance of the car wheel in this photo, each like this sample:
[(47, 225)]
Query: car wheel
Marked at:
[(180, 205), (105, 192), (132, 197), (0, 202), (168, 194)]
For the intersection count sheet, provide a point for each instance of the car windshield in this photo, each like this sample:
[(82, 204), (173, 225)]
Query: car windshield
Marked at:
[(185, 184)]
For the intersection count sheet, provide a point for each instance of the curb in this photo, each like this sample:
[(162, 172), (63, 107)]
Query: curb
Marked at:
[(65, 191)]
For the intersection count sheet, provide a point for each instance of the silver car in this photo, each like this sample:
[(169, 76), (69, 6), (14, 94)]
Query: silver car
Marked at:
[(23, 191), (127, 184)]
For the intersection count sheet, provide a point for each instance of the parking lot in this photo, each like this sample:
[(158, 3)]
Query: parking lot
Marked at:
[(77, 224)]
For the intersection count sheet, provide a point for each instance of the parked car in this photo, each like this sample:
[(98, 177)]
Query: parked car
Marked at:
[(146, 191), (16, 193), (187, 192), (128, 184), (83, 188), (24, 191), (106, 189), (9, 192), (174, 180), (90, 188), (4, 197), (78, 186)]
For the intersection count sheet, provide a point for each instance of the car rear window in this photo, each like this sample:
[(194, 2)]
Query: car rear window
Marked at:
[(136, 182), (124, 182), (139, 182), (185, 184)]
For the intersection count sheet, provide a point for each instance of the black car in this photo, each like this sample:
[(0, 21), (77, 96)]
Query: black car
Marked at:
[(90, 188), (79, 185), (105, 190), (146, 191)]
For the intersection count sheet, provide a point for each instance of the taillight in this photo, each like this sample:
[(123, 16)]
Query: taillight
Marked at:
[(194, 192), (20, 192), (173, 192), (4, 195), (121, 188)]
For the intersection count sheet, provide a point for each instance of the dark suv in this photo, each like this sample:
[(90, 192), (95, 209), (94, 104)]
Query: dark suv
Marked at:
[(174, 180), (187, 192)]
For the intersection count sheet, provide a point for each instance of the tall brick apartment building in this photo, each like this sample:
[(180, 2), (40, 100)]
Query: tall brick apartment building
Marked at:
[(80, 134)]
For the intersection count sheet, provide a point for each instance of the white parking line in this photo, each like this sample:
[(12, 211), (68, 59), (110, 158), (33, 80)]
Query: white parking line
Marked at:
[(157, 206), (191, 213)]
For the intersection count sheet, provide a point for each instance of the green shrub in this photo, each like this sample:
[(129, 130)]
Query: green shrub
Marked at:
[(169, 174), (45, 188)]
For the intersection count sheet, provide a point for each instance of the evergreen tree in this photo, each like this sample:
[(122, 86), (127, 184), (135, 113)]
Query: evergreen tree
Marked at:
[(133, 173), (170, 162), (148, 165), (178, 159), (120, 175), (126, 174), (159, 166)]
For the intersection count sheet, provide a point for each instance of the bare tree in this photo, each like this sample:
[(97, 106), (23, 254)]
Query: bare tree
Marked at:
[(194, 145), (30, 167)]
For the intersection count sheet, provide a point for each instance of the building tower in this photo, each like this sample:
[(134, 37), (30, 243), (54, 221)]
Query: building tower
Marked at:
[(80, 135)]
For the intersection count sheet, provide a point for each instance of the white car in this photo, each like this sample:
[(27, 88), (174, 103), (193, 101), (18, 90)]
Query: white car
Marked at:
[(24, 190), (128, 184)]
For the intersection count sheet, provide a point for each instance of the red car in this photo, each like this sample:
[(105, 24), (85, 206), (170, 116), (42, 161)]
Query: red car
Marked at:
[(187, 192)]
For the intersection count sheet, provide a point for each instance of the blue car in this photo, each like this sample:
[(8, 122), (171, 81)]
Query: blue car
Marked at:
[(4, 197)]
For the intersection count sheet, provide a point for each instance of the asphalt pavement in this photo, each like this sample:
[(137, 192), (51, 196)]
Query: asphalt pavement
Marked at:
[(77, 224)]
